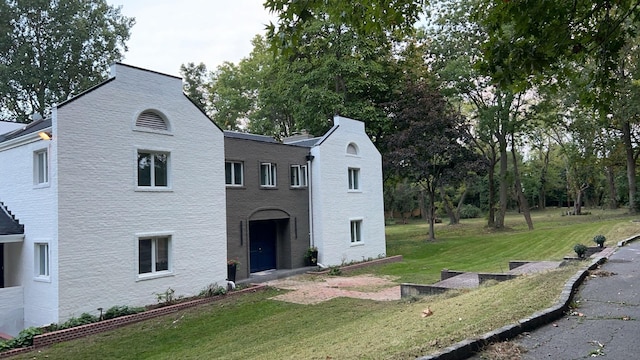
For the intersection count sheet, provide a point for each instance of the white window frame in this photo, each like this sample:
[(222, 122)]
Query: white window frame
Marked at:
[(41, 167), (233, 173), (152, 186), (154, 273), (354, 179), (270, 181), (356, 231), (298, 176), (41, 263)]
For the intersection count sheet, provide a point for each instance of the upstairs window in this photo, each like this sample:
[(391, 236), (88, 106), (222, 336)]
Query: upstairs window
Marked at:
[(151, 120), (354, 179), (40, 167), (298, 175), (233, 172), (268, 174), (153, 169)]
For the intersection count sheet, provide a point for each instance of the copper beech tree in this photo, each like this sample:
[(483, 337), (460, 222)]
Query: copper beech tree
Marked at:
[(430, 142)]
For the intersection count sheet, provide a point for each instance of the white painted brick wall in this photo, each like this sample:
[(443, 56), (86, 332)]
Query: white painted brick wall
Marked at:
[(334, 206), (101, 212)]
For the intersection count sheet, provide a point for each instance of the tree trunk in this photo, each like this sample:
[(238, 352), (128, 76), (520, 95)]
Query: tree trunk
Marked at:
[(524, 204), (542, 191), (577, 206), (448, 207), (613, 196), (432, 214), (492, 196), (502, 210), (631, 165)]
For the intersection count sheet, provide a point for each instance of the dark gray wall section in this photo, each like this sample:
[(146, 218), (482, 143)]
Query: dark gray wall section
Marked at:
[(253, 202)]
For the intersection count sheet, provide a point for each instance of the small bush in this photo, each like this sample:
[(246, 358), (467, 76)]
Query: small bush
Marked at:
[(335, 271), (117, 311), (212, 290), (85, 318), (599, 239), (469, 211), (24, 339), (580, 250)]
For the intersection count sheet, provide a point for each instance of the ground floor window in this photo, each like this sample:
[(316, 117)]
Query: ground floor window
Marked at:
[(42, 260), (356, 231), (153, 254)]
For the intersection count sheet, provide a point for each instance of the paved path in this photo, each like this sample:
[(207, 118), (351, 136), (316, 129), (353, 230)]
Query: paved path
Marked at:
[(609, 325)]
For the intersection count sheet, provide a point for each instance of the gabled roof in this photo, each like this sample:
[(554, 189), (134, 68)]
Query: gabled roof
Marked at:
[(248, 136), (33, 127), (8, 224)]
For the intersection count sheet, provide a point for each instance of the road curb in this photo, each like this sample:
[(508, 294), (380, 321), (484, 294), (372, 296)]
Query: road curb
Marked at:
[(469, 347)]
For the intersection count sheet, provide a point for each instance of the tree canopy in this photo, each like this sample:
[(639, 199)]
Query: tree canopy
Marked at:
[(50, 50)]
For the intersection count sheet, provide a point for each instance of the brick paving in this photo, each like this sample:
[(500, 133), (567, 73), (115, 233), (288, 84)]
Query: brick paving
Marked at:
[(314, 290)]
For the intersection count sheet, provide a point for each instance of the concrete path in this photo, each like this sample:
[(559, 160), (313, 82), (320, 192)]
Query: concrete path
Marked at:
[(606, 322)]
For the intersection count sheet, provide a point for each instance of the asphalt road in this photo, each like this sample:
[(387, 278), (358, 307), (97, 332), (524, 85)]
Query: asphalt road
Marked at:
[(606, 321)]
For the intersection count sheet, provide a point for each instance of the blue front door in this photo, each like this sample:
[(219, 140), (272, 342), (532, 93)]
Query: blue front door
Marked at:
[(263, 238)]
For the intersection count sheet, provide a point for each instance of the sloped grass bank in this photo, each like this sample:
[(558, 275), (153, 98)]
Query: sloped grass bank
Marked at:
[(252, 326)]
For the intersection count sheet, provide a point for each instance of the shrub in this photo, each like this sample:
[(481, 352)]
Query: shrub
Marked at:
[(580, 250), (117, 311), (599, 239), (469, 211), (212, 290), (84, 319), (24, 339)]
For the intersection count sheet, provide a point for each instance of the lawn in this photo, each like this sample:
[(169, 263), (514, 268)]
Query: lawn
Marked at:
[(255, 327)]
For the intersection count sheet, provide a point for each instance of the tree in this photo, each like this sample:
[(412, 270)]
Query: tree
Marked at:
[(429, 142), (372, 17), (455, 56), (51, 50)]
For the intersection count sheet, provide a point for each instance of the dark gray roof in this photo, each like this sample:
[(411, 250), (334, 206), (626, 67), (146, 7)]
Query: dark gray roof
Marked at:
[(8, 224), (33, 127), (306, 142), (247, 136)]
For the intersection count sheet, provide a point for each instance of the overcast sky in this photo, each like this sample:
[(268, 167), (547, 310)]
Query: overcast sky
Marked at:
[(169, 33)]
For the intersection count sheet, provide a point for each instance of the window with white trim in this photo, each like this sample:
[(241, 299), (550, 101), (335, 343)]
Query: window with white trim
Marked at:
[(233, 171), (40, 167), (41, 260), (153, 169), (298, 176), (268, 174), (153, 254), (356, 231), (354, 179)]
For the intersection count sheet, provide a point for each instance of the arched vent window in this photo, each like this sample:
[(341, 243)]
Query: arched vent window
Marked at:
[(151, 120), (352, 149)]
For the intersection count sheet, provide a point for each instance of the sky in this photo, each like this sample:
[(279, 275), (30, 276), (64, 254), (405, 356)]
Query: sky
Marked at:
[(169, 33)]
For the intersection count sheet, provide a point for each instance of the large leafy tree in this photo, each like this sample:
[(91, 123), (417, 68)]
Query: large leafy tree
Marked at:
[(457, 60), (369, 17), (50, 50), (429, 144)]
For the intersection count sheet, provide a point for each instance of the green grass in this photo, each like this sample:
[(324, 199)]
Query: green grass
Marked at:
[(254, 327)]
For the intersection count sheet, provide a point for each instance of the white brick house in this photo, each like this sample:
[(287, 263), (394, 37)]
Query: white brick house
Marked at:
[(346, 202), (126, 197), (125, 200)]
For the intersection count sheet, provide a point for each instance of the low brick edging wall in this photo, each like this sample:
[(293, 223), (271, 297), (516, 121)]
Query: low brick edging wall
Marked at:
[(467, 348), (346, 268), (77, 332)]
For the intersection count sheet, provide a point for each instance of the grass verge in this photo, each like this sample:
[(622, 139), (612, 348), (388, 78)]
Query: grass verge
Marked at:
[(255, 327)]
